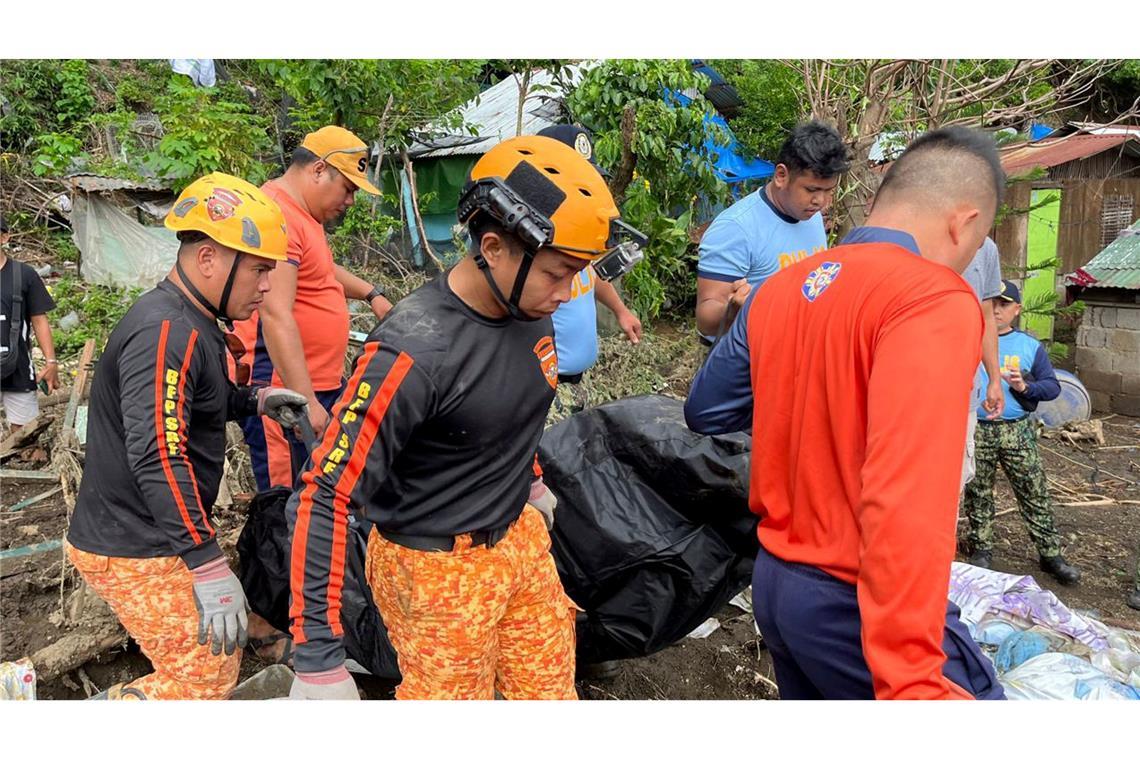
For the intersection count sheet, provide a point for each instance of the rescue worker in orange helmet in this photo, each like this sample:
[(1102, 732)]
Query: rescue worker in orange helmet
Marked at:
[(141, 533), (433, 442)]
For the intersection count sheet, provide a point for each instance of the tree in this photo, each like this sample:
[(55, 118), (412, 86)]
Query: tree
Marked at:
[(383, 99), (864, 98), (522, 71), (653, 140), (772, 96)]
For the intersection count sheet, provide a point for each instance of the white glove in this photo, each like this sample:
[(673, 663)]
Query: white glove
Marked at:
[(221, 607), (328, 684), (282, 405), (544, 500)]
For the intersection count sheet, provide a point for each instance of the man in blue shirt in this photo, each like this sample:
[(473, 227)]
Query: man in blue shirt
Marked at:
[(770, 229), (1027, 378)]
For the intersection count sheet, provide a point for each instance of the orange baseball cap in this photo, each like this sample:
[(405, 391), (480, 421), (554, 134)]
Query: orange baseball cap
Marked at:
[(344, 151)]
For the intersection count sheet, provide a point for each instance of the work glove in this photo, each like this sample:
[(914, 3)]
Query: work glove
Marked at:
[(544, 500), (221, 607), (328, 684), (282, 405)]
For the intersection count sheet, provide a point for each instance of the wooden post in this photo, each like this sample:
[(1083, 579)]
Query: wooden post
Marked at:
[(411, 172)]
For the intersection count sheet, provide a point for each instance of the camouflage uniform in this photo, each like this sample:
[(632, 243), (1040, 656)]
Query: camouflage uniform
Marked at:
[(1014, 445), (154, 600), (474, 620)]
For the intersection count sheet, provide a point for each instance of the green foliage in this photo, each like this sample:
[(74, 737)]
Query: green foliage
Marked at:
[(43, 96), (99, 309), (361, 225), (75, 102), (672, 167), (55, 152), (355, 93), (205, 133), (1066, 318), (62, 247), (772, 93), (666, 275)]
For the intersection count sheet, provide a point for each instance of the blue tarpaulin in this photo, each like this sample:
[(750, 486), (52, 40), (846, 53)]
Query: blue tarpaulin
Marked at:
[(731, 164)]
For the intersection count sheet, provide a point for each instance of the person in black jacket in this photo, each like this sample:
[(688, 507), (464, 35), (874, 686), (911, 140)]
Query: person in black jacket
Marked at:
[(141, 534)]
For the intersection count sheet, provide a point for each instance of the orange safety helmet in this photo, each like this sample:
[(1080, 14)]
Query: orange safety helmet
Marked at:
[(233, 213), (571, 207)]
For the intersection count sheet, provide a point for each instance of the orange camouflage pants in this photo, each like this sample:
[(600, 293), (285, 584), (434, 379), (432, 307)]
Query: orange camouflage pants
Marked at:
[(467, 622), (154, 600)]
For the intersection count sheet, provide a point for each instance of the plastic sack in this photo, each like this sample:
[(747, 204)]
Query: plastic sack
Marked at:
[(115, 249), (1056, 675), (200, 70), (982, 594), (653, 534)]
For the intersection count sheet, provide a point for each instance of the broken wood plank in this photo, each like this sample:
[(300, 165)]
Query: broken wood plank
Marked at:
[(1092, 503), (77, 649), (27, 433), (24, 476), (24, 551), (34, 499), (77, 390)]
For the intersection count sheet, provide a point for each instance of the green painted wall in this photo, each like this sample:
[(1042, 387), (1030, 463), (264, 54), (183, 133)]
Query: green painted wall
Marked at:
[(1042, 246)]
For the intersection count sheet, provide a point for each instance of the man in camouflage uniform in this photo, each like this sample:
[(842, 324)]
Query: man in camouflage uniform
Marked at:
[(1011, 440)]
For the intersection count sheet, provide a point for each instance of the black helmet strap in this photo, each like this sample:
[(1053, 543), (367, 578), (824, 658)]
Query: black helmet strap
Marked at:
[(219, 311)]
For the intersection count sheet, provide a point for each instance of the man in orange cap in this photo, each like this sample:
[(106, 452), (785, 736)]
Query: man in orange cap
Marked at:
[(299, 337)]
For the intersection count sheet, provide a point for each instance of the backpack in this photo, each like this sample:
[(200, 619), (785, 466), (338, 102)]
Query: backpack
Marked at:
[(16, 322)]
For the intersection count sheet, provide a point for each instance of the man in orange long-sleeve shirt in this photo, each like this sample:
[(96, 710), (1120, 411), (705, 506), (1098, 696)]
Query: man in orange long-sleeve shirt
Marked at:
[(861, 361)]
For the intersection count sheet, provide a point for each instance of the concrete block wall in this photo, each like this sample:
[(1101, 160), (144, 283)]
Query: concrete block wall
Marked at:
[(1108, 357)]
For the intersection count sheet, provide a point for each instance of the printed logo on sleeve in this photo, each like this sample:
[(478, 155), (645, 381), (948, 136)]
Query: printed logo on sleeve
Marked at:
[(547, 359), (349, 416), (170, 424), (820, 280)]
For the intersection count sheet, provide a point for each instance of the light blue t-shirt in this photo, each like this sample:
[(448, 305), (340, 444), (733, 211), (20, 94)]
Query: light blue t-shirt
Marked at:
[(754, 240), (1017, 350), (576, 326)]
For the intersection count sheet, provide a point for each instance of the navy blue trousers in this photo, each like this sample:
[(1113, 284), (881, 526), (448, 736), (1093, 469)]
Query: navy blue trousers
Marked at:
[(811, 625)]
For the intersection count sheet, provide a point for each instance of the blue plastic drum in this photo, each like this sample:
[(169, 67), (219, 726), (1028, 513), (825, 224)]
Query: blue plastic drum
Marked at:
[(1073, 405)]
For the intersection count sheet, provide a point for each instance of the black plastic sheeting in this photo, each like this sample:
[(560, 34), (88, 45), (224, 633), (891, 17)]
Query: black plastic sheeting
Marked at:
[(652, 534)]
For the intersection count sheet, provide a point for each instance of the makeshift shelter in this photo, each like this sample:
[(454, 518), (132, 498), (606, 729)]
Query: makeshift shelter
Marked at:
[(1108, 341), (1088, 194), (113, 222)]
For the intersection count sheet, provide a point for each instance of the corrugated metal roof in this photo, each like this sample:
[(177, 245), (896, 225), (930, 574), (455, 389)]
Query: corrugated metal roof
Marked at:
[(95, 183), (494, 115), (1053, 151), (1117, 266)]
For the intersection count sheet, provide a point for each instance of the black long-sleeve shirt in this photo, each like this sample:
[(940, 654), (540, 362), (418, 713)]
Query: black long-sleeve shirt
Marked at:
[(156, 434), (435, 435)]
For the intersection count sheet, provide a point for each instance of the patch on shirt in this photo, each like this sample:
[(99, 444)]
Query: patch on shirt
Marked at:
[(820, 279), (547, 360)]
